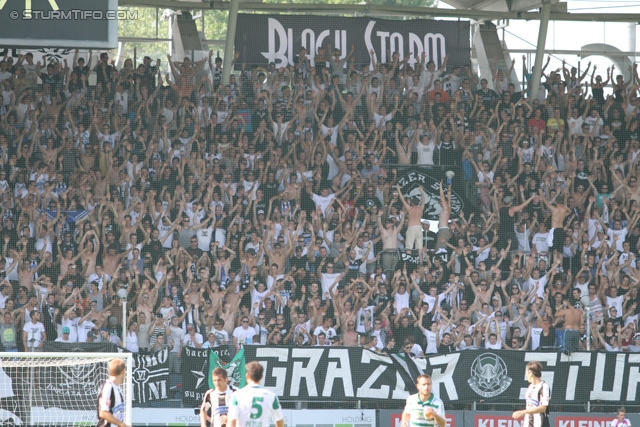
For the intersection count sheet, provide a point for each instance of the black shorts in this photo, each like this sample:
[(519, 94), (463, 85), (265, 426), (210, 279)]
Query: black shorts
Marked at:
[(557, 239)]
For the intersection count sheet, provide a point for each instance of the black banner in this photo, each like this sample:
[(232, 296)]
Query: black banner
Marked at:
[(72, 384), (86, 347), (262, 39), (318, 373), (195, 372), (413, 179), (150, 376)]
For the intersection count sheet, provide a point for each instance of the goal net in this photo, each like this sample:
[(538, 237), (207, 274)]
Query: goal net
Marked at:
[(56, 389)]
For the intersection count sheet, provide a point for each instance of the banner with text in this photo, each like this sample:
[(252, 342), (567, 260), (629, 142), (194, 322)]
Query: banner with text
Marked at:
[(262, 39), (150, 376), (196, 371), (354, 373)]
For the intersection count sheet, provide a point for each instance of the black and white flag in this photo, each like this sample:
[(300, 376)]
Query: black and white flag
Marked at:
[(150, 376)]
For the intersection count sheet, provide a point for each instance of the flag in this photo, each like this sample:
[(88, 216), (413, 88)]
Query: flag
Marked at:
[(235, 369), (72, 216), (409, 371), (150, 376), (11, 401)]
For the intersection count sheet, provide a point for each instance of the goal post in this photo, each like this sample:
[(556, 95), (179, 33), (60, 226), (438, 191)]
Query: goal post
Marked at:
[(57, 388)]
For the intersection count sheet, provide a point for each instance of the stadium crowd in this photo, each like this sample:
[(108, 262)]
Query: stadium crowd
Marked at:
[(265, 211)]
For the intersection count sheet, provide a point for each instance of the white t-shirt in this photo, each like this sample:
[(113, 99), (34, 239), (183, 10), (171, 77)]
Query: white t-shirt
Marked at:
[(244, 336), (323, 202), (330, 333), (540, 242), (34, 332), (541, 283), (432, 348), (401, 300), (204, 238), (361, 316), (382, 120), (164, 229), (432, 301), (191, 342), (616, 302), (73, 328), (425, 152), (535, 338), (83, 330), (622, 236), (496, 346), (327, 280), (222, 337)]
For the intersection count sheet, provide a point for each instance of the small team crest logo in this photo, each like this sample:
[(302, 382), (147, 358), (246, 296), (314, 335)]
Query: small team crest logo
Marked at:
[(489, 375), (411, 183)]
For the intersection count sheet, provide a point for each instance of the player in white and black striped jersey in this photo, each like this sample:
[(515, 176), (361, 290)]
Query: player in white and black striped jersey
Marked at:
[(215, 403), (111, 402), (538, 397)]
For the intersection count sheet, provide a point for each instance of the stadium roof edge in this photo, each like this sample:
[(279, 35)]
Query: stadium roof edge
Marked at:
[(376, 10)]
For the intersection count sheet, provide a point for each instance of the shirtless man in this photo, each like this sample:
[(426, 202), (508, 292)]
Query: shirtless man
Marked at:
[(223, 263), (112, 259), (573, 319), (228, 315), (144, 307), (350, 104), (279, 254), (100, 185), (444, 232), (350, 336), (88, 157), (556, 234), (415, 210), (389, 235)]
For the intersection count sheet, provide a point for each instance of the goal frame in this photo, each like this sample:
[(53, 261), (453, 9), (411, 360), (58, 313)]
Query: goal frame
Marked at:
[(127, 385)]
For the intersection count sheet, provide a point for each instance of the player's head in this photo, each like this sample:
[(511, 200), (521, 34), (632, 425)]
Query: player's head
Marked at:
[(535, 368), (423, 384), (254, 371), (219, 378), (622, 413), (116, 368)]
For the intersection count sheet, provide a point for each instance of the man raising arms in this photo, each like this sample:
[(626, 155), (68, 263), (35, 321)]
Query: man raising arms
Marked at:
[(573, 318), (389, 235), (444, 232), (414, 229), (556, 234)]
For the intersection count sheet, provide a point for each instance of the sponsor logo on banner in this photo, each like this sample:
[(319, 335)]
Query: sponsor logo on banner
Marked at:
[(582, 421), (411, 184), (489, 375), (396, 420), (496, 421)]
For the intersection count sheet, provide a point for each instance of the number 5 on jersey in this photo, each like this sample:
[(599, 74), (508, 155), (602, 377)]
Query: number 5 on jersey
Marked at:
[(256, 406)]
